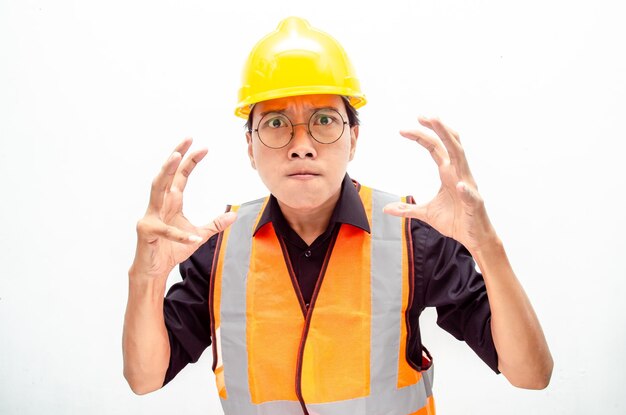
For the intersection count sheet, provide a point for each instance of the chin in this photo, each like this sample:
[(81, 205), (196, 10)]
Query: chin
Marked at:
[(302, 201), (304, 195)]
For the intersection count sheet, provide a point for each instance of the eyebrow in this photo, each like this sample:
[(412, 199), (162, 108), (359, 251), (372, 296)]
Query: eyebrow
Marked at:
[(282, 110)]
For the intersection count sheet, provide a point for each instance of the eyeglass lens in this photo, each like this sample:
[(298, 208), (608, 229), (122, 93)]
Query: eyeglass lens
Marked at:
[(325, 125)]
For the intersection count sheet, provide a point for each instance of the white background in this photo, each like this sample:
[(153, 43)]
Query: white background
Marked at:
[(95, 95)]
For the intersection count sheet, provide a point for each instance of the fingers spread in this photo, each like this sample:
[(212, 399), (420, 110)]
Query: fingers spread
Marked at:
[(186, 167), (162, 182), (451, 141), (183, 146), (432, 144)]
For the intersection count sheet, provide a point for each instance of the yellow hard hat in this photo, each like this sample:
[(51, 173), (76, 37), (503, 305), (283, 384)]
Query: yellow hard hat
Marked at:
[(297, 59)]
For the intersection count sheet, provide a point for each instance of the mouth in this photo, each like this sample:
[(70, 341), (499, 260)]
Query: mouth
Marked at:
[(303, 175)]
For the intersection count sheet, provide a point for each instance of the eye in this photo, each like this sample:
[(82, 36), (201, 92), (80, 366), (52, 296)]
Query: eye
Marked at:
[(274, 121), (325, 118)]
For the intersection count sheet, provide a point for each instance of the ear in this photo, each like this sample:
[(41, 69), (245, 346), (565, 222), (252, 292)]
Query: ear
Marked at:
[(354, 135), (250, 150)]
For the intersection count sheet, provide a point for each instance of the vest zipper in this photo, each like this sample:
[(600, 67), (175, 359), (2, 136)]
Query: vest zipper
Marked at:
[(307, 322), (294, 281)]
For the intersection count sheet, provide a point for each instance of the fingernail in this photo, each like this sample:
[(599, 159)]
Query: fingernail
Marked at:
[(195, 238)]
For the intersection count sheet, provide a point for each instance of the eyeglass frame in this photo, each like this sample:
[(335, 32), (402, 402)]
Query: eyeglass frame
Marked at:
[(308, 129)]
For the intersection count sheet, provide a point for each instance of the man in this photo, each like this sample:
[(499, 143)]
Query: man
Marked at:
[(311, 297)]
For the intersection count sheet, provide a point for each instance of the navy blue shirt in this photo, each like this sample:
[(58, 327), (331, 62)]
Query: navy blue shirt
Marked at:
[(445, 277)]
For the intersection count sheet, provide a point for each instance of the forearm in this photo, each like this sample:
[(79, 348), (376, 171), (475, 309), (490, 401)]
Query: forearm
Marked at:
[(523, 354), (145, 341)]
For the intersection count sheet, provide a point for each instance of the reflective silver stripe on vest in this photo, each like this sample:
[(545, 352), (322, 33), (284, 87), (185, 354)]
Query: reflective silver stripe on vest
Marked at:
[(386, 282), (233, 307)]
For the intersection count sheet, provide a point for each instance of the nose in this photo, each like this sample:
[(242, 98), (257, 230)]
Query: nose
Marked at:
[(302, 145)]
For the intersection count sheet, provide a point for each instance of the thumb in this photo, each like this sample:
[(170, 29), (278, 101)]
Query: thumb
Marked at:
[(218, 224), (406, 210)]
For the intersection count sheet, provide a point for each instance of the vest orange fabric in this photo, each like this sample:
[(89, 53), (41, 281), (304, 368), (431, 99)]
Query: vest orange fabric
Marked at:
[(346, 352)]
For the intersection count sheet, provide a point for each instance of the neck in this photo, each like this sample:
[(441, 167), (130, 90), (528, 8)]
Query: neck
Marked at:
[(310, 223)]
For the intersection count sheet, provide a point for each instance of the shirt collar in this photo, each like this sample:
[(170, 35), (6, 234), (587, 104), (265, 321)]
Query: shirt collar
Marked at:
[(349, 209)]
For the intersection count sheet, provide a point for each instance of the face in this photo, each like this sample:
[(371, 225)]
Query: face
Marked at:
[(304, 175)]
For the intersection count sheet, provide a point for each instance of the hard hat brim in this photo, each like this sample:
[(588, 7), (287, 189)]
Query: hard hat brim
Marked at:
[(356, 99)]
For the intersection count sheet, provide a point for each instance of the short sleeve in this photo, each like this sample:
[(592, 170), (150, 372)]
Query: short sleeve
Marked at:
[(452, 284), (186, 310)]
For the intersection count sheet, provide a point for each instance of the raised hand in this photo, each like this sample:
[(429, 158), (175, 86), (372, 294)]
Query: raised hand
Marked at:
[(165, 237), (457, 210)]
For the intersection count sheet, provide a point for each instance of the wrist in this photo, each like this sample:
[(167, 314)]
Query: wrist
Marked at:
[(142, 285), (491, 258), (488, 247), (139, 270)]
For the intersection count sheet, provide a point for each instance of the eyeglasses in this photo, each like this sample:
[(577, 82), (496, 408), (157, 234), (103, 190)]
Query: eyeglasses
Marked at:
[(276, 130)]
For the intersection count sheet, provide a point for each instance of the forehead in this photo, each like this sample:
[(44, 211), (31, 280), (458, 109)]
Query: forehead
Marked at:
[(299, 103)]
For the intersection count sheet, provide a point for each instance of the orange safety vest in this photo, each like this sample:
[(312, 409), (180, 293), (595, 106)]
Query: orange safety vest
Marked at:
[(345, 354)]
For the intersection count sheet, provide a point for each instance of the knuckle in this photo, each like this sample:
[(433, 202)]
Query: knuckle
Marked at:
[(173, 233), (168, 232), (141, 226)]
